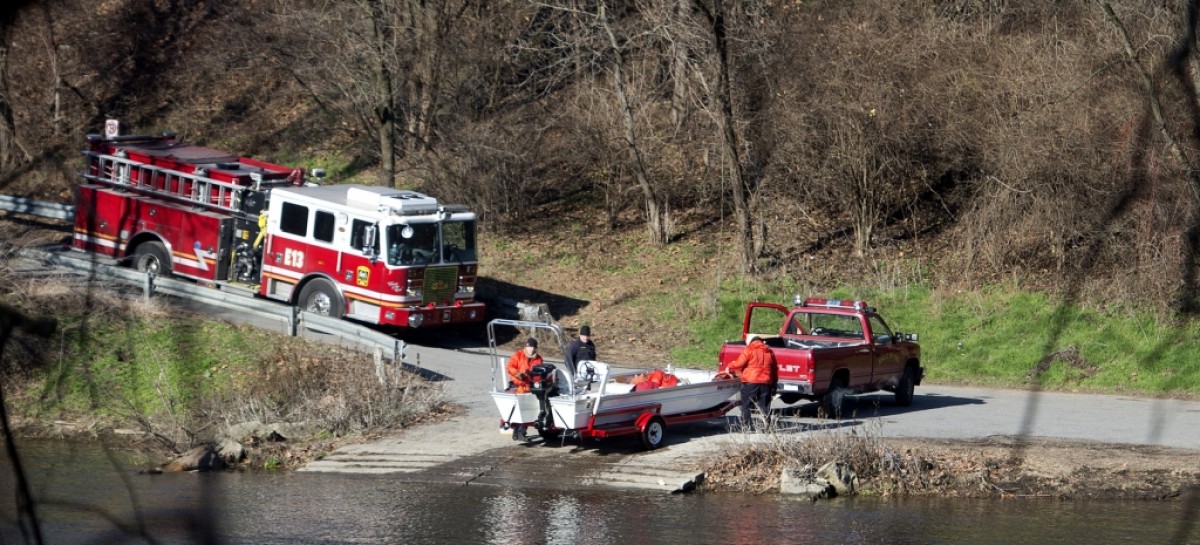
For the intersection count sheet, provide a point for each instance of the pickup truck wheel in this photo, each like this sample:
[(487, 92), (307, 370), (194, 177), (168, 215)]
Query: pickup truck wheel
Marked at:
[(319, 297), (152, 257), (834, 400), (654, 433), (904, 390)]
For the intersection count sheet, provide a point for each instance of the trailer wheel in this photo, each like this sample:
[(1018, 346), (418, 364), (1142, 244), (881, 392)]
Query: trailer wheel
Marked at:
[(152, 257), (654, 432), (319, 297), (906, 387), (834, 400)]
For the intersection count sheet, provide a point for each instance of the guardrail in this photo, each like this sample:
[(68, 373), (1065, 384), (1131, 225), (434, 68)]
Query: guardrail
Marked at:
[(290, 320), (22, 205)]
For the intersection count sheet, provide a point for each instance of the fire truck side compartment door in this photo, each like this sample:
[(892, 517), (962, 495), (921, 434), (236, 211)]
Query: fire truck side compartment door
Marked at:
[(224, 247)]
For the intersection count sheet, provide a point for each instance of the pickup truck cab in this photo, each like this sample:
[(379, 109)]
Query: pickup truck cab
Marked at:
[(826, 349)]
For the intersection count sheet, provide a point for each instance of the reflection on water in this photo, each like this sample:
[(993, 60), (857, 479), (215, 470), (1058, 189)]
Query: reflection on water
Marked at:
[(84, 498)]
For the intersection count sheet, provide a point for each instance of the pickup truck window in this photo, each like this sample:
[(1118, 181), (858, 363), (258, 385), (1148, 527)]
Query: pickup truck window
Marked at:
[(793, 327), (880, 334), (835, 325)]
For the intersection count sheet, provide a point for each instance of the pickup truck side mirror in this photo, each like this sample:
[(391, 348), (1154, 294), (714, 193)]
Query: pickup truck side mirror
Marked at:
[(900, 337)]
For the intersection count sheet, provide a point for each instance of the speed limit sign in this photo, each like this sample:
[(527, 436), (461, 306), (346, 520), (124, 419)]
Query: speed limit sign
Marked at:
[(112, 128)]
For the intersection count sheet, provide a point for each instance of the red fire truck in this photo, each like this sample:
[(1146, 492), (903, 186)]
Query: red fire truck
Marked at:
[(373, 254)]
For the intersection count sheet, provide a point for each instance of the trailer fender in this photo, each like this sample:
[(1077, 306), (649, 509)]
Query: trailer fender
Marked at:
[(643, 419)]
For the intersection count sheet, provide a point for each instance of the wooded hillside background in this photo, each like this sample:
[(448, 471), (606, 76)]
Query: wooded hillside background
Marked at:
[(1036, 141)]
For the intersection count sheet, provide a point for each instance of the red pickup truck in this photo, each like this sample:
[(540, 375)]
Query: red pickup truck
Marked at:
[(827, 349)]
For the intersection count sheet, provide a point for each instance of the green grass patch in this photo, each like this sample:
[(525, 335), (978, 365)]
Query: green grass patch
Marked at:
[(148, 367)]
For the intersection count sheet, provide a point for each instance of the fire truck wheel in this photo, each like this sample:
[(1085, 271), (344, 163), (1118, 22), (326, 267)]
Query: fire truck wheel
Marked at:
[(319, 297), (152, 257), (654, 433)]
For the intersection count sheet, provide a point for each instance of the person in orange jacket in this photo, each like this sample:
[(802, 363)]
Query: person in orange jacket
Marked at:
[(519, 365), (755, 367)]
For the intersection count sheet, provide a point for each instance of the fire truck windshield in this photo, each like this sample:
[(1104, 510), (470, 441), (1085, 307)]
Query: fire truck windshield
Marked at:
[(417, 243), (458, 238), (419, 247)]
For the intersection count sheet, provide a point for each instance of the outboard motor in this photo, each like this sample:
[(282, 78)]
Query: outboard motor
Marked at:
[(543, 385)]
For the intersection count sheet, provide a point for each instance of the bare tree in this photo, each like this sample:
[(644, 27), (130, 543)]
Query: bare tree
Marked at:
[(862, 168), (742, 188), (596, 41), (657, 214), (9, 157), (379, 62)]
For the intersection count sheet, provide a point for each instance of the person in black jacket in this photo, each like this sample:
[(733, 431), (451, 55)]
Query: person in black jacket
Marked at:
[(582, 348)]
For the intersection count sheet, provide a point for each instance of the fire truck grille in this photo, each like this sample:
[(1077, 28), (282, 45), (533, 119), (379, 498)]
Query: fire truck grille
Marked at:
[(440, 284)]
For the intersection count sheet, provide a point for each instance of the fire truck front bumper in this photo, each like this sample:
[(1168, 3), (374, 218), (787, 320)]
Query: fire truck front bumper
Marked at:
[(433, 316)]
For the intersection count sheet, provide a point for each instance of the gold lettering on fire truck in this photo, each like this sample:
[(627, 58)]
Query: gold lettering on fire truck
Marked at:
[(293, 258), (363, 276)]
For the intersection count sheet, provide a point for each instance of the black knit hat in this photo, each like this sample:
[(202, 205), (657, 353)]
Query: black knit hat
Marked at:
[(586, 331), (531, 342)]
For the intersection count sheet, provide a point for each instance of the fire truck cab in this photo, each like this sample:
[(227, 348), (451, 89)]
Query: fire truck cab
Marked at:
[(371, 253), (374, 254)]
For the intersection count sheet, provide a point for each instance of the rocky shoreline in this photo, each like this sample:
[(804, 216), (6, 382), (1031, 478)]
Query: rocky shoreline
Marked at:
[(991, 468)]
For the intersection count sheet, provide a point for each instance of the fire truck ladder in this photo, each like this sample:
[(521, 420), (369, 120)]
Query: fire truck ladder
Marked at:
[(195, 189)]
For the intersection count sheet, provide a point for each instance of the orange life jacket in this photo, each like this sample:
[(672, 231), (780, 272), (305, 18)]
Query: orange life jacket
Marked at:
[(518, 366), (756, 364)]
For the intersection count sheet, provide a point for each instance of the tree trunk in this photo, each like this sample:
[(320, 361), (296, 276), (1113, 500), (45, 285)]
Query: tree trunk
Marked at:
[(656, 219), (385, 106), (679, 72), (8, 126), (428, 33), (742, 189)]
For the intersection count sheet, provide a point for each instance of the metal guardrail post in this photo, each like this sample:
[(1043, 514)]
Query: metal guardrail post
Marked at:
[(148, 286), (294, 321), (381, 370)]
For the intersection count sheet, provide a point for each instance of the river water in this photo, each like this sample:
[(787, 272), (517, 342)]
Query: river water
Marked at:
[(84, 495)]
